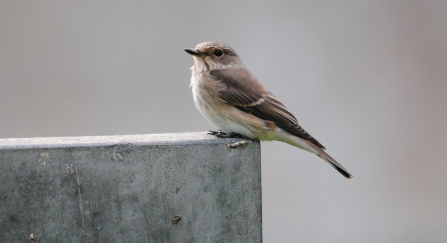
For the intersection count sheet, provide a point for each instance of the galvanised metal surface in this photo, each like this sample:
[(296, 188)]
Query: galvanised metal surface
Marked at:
[(187, 187)]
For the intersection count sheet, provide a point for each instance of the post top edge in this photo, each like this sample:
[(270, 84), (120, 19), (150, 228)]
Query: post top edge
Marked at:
[(187, 138)]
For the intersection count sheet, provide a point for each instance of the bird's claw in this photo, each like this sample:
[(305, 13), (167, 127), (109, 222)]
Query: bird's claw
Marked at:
[(243, 143), (222, 134)]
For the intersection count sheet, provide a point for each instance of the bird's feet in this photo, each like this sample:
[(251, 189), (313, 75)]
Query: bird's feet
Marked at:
[(242, 143), (222, 134)]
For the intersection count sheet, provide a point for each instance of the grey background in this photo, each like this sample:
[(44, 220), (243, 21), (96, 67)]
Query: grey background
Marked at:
[(368, 79)]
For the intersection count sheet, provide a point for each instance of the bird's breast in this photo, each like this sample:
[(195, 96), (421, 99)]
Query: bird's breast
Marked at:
[(206, 100), (220, 114)]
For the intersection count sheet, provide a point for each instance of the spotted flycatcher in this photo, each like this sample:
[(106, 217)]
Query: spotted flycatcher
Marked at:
[(232, 99)]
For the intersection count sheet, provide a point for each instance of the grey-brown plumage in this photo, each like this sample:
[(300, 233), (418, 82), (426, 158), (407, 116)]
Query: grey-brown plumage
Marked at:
[(232, 99), (247, 97)]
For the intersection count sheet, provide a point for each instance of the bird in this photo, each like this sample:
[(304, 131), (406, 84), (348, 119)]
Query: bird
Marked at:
[(232, 99)]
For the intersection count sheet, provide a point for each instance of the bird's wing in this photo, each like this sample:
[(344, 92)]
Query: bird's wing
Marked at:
[(250, 96)]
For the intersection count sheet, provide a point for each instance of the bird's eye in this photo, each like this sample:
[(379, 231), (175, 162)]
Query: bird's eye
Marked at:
[(218, 53)]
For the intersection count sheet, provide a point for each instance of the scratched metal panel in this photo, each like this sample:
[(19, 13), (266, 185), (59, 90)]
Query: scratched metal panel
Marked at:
[(130, 189)]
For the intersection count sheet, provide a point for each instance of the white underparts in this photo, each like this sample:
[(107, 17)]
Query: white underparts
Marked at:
[(199, 65), (219, 114), (293, 140)]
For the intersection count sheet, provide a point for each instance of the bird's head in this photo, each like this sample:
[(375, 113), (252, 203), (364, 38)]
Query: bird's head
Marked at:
[(212, 55)]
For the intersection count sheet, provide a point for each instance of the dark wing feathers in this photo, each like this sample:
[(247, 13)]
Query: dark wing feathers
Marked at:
[(276, 112), (234, 97), (250, 96)]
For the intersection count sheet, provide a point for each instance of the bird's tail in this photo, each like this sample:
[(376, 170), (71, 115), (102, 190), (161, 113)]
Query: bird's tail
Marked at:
[(326, 157)]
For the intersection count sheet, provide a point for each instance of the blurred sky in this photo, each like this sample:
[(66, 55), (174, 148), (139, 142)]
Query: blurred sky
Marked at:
[(368, 79)]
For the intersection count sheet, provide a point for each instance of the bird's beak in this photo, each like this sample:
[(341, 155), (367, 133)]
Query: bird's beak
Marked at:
[(193, 52)]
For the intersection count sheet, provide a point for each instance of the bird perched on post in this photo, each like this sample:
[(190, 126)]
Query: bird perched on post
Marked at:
[(231, 98)]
